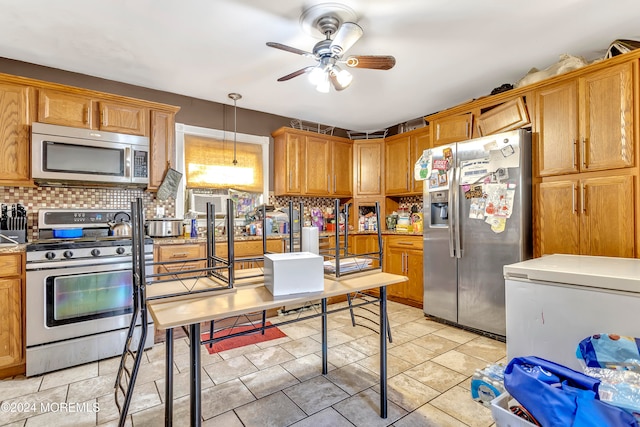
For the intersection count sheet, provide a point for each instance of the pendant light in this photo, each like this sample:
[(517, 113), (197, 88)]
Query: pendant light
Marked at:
[(235, 97)]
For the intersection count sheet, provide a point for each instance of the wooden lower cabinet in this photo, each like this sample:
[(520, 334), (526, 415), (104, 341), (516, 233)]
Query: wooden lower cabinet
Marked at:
[(403, 255), (12, 342), (182, 257), (587, 216), (189, 253), (249, 249)]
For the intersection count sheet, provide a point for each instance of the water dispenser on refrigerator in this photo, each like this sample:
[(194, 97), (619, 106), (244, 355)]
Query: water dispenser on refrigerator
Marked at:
[(439, 203)]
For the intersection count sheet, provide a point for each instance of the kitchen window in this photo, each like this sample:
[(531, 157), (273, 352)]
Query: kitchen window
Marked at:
[(209, 164)]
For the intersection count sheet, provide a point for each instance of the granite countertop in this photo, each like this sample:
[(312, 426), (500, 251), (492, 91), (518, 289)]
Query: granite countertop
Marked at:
[(10, 248), (322, 234)]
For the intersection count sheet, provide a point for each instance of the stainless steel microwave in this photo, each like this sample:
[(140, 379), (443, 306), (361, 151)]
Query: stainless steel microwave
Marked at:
[(61, 153)]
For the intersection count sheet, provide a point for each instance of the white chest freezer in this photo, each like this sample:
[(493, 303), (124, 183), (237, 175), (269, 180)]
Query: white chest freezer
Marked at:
[(554, 302)]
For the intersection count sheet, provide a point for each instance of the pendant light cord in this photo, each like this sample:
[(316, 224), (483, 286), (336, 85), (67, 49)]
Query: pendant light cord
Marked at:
[(235, 97)]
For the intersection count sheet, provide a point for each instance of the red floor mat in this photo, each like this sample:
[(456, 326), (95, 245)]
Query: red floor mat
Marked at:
[(228, 344)]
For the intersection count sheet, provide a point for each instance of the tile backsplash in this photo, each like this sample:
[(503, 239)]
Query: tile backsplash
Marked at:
[(36, 198)]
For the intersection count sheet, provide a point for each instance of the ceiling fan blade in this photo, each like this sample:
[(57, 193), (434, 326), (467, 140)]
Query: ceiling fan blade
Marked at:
[(296, 73), (346, 36), (290, 49), (374, 62)]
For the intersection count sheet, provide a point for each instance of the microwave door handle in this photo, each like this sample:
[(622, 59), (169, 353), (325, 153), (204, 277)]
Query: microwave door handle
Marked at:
[(128, 152)]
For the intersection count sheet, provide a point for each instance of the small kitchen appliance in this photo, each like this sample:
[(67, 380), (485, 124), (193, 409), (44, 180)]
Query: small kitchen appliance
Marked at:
[(64, 154), (79, 290)]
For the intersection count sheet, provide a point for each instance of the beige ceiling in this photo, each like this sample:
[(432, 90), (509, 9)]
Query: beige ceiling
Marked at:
[(447, 51)]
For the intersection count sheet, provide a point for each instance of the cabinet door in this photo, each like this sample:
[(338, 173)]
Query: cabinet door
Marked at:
[(414, 288), (161, 147), (318, 181), (15, 119), (607, 218), (10, 322), (419, 143), (368, 164), (558, 218), (365, 244), (396, 160), (556, 124), (508, 116), (65, 109), (341, 159), (395, 263), (606, 115), (452, 129), (183, 258), (123, 118), (287, 164)]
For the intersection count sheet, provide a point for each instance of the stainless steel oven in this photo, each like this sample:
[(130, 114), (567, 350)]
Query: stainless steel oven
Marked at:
[(79, 293)]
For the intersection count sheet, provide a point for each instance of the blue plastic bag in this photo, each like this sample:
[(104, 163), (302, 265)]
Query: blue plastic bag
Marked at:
[(558, 396)]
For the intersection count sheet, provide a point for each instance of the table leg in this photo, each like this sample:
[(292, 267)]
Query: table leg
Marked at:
[(168, 385), (196, 385), (325, 363), (383, 351)]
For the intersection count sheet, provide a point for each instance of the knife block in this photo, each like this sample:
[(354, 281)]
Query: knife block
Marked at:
[(19, 236)]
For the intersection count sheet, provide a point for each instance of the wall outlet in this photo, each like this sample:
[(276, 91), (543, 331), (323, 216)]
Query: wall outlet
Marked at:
[(159, 211)]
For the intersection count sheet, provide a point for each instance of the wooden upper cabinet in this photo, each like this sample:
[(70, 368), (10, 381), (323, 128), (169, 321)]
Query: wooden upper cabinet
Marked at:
[(606, 116), (586, 123), (401, 153), (368, 164), (77, 110), (451, 129), (505, 117), (161, 146), (396, 161), (311, 164), (418, 143), (342, 167), (287, 165), (556, 126), (65, 109), (123, 118), (16, 103), (318, 176)]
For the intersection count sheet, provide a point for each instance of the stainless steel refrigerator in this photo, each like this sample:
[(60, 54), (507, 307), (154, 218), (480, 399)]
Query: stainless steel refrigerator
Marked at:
[(477, 218)]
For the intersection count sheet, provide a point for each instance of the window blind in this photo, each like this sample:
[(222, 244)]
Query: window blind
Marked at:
[(209, 164)]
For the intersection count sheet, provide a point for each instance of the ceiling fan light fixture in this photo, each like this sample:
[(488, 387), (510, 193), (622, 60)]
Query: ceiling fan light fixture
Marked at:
[(323, 86), (316, 75), (343, 77)]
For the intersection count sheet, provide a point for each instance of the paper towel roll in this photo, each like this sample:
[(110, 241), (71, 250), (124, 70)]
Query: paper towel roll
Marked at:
[(310, 240)]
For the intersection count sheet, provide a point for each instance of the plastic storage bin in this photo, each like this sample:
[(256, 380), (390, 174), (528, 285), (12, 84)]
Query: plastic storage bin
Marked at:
[(503, 416)]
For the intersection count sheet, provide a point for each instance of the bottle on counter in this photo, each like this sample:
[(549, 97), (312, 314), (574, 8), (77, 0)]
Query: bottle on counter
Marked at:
[(194, 228)]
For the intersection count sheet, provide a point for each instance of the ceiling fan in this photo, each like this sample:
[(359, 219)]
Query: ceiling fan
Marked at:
[(331, 20)]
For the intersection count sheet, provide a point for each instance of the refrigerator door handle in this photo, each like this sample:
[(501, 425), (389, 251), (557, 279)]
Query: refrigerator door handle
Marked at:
[(456, 203), (451, 215)]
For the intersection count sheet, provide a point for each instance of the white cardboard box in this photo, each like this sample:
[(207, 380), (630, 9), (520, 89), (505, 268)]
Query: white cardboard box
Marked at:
[(293, 273)]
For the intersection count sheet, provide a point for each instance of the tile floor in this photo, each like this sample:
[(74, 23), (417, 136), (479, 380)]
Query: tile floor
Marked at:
[(279, 382)]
